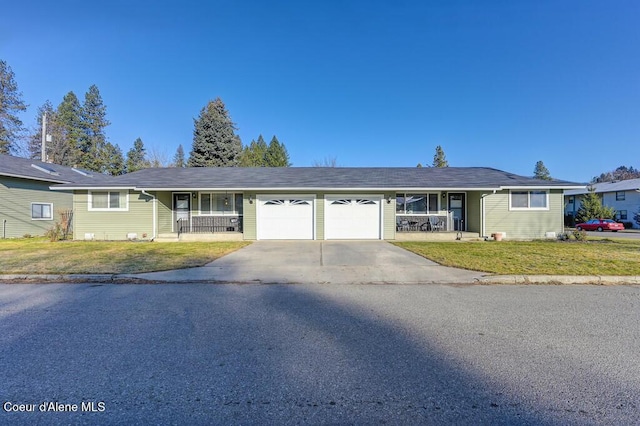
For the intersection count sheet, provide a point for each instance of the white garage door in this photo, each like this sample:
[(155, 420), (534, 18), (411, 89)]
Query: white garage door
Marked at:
[(281, 217), (352, 217)]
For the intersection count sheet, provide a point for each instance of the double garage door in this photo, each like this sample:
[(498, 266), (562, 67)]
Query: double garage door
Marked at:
[(294, 217)]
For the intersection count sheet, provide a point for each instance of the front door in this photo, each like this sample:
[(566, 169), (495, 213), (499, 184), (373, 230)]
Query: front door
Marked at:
[(181, 209), (457, 207)]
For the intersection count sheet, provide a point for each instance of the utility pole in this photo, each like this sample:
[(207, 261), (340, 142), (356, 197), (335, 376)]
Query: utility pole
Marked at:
[(43, 154)]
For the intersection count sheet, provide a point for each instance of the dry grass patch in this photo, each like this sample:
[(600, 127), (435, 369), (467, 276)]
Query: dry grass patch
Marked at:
[(39, 256), (596, 257)]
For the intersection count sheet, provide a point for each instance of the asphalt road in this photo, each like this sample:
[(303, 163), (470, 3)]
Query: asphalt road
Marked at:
[(619, 234), (320, 354)]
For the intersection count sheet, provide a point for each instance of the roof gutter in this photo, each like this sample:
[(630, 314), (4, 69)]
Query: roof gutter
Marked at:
[(91, 188), (57, 181)]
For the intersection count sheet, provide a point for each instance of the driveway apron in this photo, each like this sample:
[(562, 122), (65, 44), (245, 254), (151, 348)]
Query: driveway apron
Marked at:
[(337, 262)]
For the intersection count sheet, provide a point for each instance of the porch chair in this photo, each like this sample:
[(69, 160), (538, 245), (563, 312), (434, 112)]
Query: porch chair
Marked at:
[(436, 223), (403, 225)]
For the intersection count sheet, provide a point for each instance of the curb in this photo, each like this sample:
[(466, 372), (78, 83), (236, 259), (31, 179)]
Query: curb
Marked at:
[(488, 279), (71, 278), (560, 279)]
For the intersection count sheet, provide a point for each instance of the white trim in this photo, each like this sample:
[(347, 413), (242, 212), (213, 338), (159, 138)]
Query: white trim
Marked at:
[(173, 209), (229, 194), (315, 188), (438, 203), (108, 209), (39, 179), (466, 208), (538, 187), (41, 204), (511, 208)]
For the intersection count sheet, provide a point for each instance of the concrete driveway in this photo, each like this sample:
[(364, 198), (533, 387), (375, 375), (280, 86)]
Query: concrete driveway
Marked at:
[(337, 262)]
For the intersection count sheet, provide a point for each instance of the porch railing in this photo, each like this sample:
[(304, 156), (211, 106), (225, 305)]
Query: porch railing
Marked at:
[(408, 223), (209, 224)]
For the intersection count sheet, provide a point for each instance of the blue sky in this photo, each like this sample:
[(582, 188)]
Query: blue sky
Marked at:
[(372, 83)]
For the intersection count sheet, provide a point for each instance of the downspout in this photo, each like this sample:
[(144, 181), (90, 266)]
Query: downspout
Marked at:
[(4, 228), (155, 211), (482, 222)]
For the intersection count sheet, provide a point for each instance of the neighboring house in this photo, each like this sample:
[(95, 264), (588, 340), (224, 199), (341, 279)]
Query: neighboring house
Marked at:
[(27, 205), (316, 203), (623, 196)]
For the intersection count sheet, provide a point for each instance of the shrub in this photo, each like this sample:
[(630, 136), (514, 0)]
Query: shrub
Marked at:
[(55, 233), (580, 235)]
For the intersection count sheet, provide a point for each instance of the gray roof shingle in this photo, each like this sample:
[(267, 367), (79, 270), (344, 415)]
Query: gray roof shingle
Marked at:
[(339, 178), (48, 172)]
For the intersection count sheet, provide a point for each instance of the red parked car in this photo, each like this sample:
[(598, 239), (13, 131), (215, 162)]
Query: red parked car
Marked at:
[(600, 225)]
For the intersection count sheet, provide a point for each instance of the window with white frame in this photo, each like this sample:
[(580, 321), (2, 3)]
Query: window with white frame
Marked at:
[(529, 200), (108, 200), (620, 195), (41, 211), (416, 203), (214, 203)]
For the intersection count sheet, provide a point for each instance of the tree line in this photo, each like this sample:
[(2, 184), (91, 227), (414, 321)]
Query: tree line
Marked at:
[(76, 136)]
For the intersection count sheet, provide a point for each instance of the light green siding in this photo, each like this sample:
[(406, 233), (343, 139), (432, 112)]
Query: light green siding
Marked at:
[(113, 224), (523, 224), (320, 216), (16, 196), (389, 216), (249, 216), (473, 212), (165, 215)]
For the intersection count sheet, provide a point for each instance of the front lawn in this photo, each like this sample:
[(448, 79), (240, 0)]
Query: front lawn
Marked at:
[(595, 257), (40, 256)]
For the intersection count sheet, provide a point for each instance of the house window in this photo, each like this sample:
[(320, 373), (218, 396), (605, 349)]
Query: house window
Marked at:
[(108, 200), (620, 195), (213, 203), (529, 200), (621, 215), (416, 203), (571, 199), (41, 211)]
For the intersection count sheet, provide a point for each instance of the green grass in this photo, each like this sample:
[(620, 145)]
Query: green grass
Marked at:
[(40, 256), (595, 257)]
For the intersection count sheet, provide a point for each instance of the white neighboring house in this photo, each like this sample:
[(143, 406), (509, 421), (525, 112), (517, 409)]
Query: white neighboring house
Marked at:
[(623, 196)]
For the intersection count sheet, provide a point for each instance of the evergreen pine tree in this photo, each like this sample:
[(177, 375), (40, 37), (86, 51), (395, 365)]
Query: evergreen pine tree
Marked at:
[(112, 160), (254, 154), (541, 172), (439, 159), (178, 159), (136, 157), (11, 103), (68, 131), (591, 208), (94, 120), (215, 143), (277, 155)]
